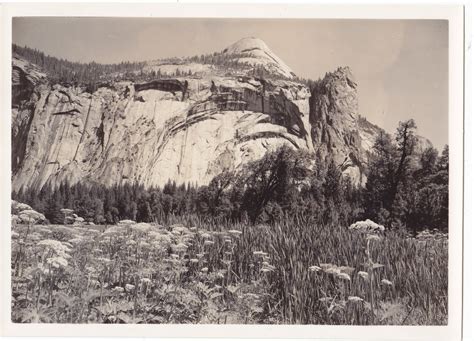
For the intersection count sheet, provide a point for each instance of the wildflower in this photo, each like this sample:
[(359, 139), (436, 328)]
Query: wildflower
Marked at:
[(112, 318), (208, 242), (142, 227), (374, 265), (346, 269), (118, 289), (113, 230), (363, 274), (367, 226), (314, 268), (235, 232), (92, 231), (57, 262), (344, 276), (160, 238), (386, 282), (205, 270), (129, 287), (126, 222), (30, 217), (205, 235), (194, 260), (193, 228), (56, 246), (177, 230), (15, 235), (175, 256), (330, 268), (143, 244), (15, 219), (145, 280), (35, 236), (227, 241), (259, 253), (181, 247), (355, 299), (373, 237), (75, 240), (325, 299), (200, 255)]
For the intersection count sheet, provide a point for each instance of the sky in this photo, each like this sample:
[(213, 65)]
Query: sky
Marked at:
[(401, 66)]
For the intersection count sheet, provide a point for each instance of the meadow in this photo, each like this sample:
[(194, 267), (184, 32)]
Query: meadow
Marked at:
[(282, 273)]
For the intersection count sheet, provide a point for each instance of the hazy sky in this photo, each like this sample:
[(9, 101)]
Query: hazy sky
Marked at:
[(401, 66)]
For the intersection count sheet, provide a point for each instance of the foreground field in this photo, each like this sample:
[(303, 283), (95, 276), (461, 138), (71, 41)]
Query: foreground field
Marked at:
[(285, 274)]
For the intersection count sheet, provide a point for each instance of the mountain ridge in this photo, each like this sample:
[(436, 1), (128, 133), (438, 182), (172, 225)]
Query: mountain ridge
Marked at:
[(186, 127)]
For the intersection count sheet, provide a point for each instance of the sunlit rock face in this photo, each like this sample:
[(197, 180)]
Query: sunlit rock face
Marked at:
[(337, 129), (186, 129)]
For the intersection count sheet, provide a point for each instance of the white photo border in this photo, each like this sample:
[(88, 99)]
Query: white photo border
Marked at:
[(453, 13)]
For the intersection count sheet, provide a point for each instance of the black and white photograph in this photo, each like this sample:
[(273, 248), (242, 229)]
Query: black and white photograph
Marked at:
[(230, 171)]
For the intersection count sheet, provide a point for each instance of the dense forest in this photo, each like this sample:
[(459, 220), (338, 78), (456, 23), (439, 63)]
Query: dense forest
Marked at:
[(403, 190), (64, 71)]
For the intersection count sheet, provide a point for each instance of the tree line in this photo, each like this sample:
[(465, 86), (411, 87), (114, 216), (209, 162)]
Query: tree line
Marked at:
[(404, 189)]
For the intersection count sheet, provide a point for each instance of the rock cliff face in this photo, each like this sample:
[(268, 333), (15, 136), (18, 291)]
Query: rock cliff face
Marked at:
[(187, 129), (337, 129)]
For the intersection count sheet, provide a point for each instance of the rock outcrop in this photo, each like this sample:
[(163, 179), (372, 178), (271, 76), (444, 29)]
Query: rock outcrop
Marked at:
[(337, 129), (255, 52), (186, 129)]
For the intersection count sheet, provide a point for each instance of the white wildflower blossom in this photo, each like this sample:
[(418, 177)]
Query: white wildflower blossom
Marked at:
[(386, 282), (126, 222), (367, 226), (181, 247), (57, 262), (145, 280), (314, 268), (56, 246), (355, 299), (343, 276), (373, 237), (141, 227), (363, 274), (206, 235)]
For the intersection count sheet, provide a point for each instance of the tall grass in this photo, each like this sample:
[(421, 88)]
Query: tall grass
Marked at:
[(208, 272)]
